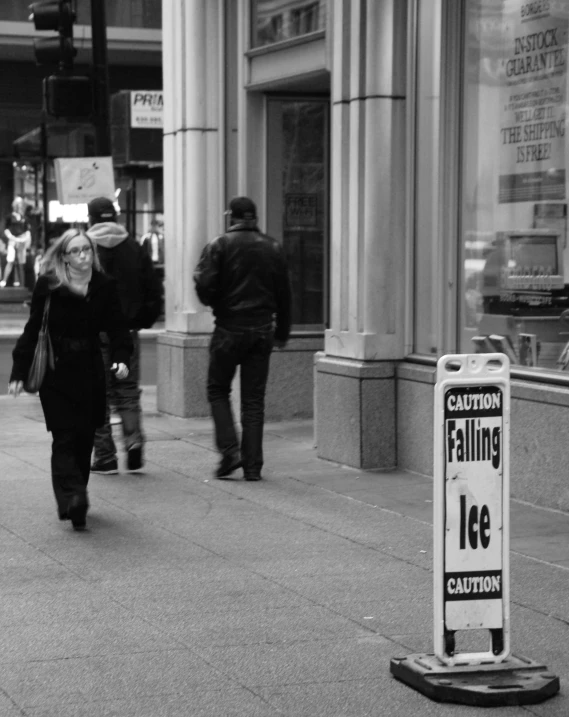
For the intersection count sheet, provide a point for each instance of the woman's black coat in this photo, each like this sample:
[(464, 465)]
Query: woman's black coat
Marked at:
[(73, 395)]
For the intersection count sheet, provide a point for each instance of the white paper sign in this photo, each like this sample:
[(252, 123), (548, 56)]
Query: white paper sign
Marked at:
[(533, 102), (147, 109), (473, 507), (471, 528), (81, 179)]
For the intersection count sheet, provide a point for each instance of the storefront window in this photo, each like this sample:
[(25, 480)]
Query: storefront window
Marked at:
[(127, 13), (278, 21), (515, 256), (297, 201)]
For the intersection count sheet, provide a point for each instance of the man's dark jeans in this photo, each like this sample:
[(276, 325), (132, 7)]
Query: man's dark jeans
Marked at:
[(249, 348)]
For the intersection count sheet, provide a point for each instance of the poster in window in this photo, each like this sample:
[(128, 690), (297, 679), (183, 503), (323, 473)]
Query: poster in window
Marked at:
[(532, 127), (301, 211)]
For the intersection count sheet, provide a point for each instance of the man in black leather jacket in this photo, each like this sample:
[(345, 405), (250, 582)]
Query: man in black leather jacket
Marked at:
[(243, 276)]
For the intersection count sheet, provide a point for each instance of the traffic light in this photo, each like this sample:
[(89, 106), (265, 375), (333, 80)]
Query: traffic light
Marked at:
[(68, 96), (65, 95), (54, 15)]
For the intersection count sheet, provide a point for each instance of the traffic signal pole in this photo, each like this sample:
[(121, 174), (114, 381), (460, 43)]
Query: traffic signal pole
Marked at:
[(100, 78)]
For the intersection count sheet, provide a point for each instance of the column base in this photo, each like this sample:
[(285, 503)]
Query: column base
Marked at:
[(355, 421), (182, 361)]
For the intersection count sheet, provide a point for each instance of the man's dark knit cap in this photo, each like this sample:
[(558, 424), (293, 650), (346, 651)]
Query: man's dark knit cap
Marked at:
[(101, 209), (243, 208)]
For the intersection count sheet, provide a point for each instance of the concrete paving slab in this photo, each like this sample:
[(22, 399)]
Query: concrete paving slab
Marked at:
[(83, 634), (540, 637), (541, 586), (232, 590), (18, 465), (227, 702), (553, 548), (527, 520), (558, 706), (262, 625), (301, 431), (8, 708), (304, 662), (342, 588), (22, 581), (142, 558), (371, 610), (43, 683), (368, 698)]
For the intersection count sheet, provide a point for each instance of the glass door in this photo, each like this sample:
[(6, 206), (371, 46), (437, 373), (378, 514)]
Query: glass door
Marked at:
[(297, 201)]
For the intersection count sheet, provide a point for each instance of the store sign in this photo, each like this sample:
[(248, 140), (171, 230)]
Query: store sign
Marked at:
[(147, 109), (472, 406), (80, 179), (533, 97)]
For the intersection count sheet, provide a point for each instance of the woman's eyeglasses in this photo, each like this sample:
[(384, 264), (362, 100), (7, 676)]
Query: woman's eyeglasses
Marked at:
[(77, 250)]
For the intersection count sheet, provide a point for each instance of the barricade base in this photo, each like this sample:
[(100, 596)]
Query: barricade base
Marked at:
[(515, 681)]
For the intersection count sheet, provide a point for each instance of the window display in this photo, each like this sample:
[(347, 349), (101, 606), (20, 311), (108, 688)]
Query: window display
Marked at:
[(514, 186)]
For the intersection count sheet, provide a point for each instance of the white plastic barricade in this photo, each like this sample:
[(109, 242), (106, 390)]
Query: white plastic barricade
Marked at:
[(471, 543), (471, 504)]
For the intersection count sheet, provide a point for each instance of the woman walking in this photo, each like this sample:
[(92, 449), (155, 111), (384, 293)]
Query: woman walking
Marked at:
[(83, 302)]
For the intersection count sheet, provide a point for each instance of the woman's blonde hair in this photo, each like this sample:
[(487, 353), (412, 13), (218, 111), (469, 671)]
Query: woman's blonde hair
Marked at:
[(53, 264)]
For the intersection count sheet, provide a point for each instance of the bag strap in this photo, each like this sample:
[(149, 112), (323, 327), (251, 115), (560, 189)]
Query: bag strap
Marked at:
[(45, 313)]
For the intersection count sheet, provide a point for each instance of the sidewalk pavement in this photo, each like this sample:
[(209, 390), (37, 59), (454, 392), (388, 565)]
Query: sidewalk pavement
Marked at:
[(189, 596)]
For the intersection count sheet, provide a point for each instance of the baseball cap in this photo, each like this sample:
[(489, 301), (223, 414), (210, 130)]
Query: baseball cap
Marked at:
[(101, 209), (242, 208)]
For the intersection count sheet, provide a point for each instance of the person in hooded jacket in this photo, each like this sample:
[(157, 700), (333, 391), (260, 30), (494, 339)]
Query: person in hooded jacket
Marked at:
[(83, 302), (139, 291)]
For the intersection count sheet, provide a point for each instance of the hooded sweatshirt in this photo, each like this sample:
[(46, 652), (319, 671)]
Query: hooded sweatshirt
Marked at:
[(107, 234), (123, 259)]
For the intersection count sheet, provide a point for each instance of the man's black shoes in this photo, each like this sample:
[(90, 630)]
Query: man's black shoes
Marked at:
[(227, 465), (134, 460), (77, 512), (253, 476), (105, 468)]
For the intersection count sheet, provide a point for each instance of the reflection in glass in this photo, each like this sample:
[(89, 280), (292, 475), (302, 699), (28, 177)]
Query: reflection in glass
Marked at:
[(515, 257), (427, 334), (278, 20), (126, 13), (298, 200)]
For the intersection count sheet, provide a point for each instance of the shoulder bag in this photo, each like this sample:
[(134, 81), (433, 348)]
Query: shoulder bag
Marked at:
[(43, 356)]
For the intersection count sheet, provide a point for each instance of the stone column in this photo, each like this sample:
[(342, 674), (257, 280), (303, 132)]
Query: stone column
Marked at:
[(355, 382), (193, 193)]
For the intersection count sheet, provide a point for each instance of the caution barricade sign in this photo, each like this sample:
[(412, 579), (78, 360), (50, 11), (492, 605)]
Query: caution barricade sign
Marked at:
[(471, 544)]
